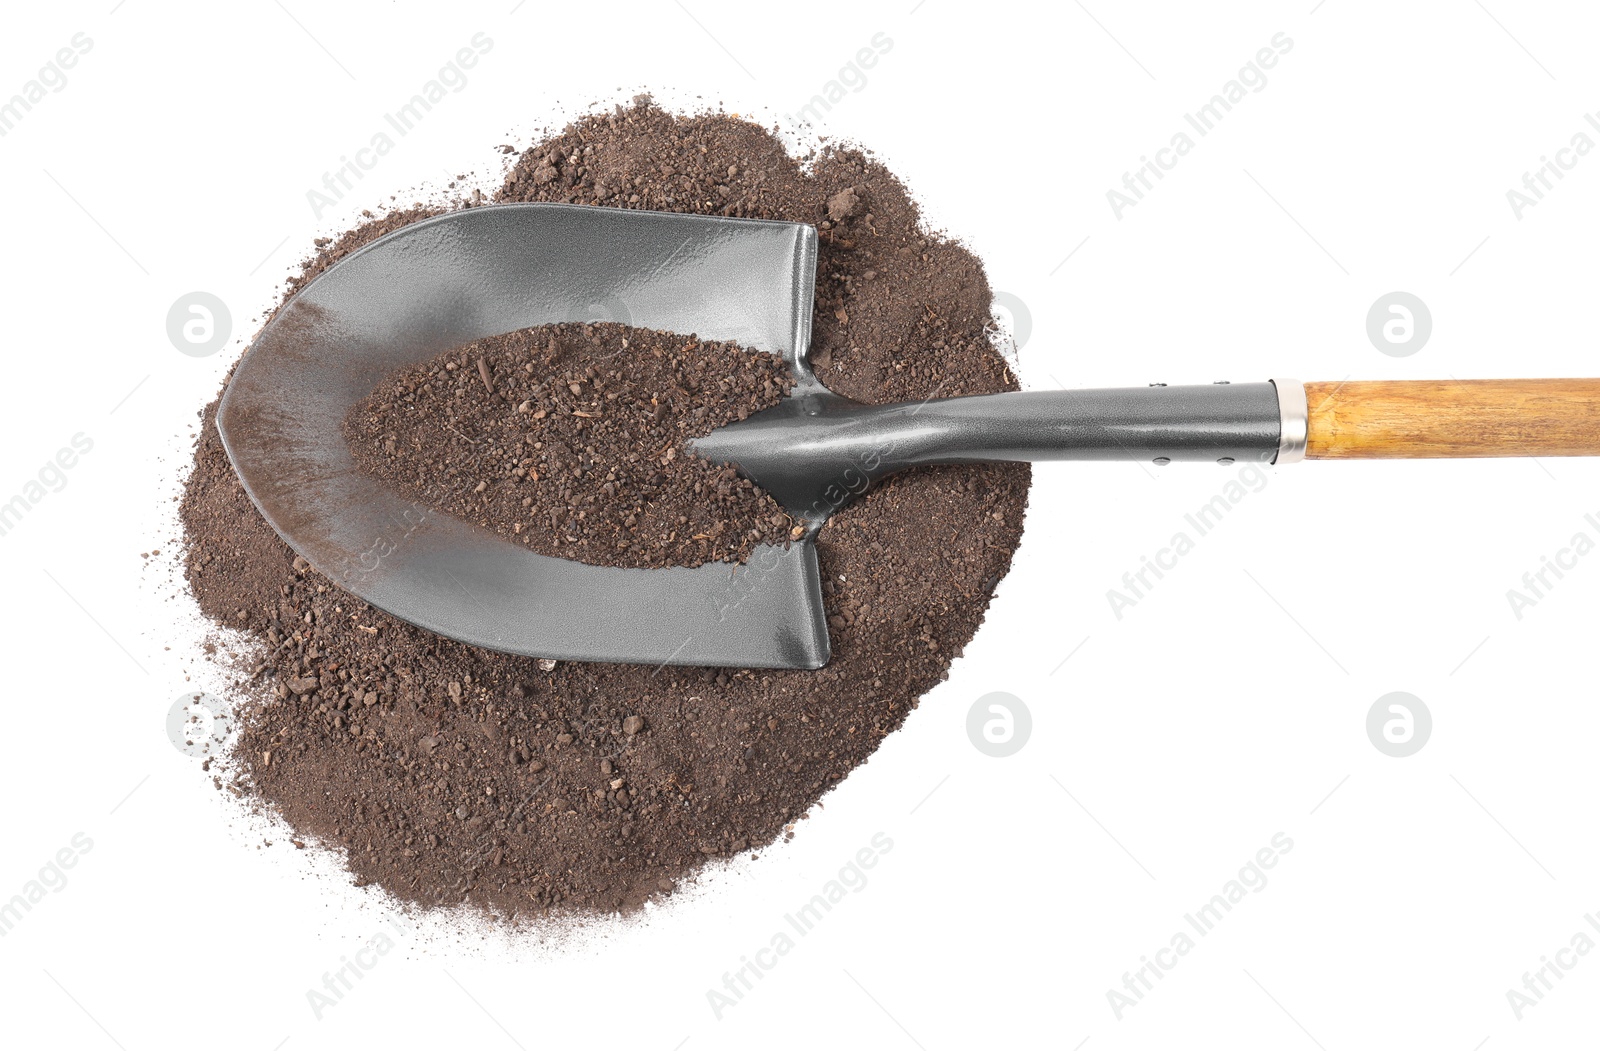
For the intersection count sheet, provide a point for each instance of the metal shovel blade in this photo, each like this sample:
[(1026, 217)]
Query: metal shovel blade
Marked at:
[(447, 281)]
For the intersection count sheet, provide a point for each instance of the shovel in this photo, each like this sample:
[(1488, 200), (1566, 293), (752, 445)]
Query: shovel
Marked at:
[(444, 282)]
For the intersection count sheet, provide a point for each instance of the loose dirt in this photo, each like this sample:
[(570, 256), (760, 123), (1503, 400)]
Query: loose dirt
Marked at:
[(450, 774)]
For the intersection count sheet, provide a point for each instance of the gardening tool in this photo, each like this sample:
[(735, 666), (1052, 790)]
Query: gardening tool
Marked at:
[(444, 282)]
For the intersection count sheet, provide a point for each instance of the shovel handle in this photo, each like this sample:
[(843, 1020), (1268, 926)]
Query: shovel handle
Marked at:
[(1417, 419)]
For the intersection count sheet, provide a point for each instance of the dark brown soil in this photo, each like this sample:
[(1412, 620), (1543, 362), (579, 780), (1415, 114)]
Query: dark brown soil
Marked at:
[(451, 774), (570, 439)]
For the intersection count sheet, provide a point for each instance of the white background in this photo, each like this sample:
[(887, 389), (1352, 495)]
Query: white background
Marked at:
[(1227, 706)]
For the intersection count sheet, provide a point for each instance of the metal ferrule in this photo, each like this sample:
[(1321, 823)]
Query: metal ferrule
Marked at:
[(1294, 419)]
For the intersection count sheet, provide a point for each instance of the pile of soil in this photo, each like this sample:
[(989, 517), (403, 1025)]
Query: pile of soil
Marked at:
[(451, 774), (570, 439)]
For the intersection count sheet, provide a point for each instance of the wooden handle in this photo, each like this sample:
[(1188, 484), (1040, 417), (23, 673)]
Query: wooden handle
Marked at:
[(1412, 419)]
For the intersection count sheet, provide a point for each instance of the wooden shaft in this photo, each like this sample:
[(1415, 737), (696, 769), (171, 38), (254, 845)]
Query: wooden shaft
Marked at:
[(1411, 419)]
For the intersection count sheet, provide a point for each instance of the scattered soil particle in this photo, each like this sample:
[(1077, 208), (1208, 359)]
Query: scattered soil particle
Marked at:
[(330, 250), (449, 774), (570, 440)]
